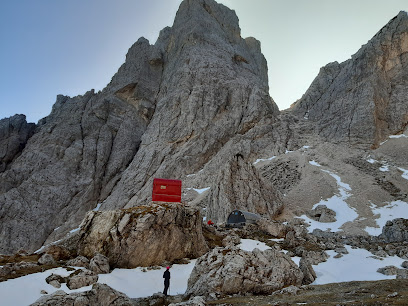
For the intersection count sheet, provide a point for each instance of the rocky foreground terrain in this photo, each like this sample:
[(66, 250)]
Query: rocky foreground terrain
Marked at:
[(324, 176)]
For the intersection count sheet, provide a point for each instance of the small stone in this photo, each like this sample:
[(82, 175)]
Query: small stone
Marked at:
[(43, 292), (388, 270)]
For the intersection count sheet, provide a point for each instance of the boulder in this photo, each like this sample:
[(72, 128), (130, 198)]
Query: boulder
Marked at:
[(81, 278), (395, 231), (405, 264), (46, 259), (231, 240), (58, 252), (99, 264), (100, 294), (143, 235), (231, 270), (402, 274), (388, 270), (309, 275), (322, 214), (273, 228), (79, 261), (55, 280)]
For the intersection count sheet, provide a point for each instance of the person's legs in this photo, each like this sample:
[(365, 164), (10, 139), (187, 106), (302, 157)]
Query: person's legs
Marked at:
[(166, 287)]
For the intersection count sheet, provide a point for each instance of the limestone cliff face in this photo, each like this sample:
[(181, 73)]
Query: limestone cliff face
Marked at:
[(213, 89), (77, 155), (14, 134), (364, 99)]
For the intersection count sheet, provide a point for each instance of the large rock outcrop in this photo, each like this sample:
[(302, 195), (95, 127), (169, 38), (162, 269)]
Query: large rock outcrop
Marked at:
[(231, 271), (144, 235), (363, 100), (240, 186)]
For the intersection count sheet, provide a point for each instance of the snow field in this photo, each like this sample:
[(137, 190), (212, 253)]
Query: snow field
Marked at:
[(26, 290), (135, 283), (358, 265), (396, 209)]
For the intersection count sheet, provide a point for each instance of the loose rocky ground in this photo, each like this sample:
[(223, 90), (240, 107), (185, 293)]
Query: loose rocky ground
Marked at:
[(385, 292)]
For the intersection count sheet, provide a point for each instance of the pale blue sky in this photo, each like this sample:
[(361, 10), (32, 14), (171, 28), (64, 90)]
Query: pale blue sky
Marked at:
[(51, 47)]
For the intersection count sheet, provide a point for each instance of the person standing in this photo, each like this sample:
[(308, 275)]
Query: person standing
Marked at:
[(166, 276)]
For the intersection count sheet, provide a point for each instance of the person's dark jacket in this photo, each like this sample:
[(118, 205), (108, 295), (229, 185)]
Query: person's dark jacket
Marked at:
[(166, 276)]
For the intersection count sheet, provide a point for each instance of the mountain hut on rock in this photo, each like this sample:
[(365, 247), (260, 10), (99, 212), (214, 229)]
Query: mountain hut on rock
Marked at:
[(166, 190)]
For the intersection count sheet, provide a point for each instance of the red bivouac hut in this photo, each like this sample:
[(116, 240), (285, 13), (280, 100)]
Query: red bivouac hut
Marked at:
[(166, 190)]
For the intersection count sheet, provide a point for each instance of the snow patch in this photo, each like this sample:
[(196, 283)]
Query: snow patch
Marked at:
[(296, 259), (337, 203), (135, 283), (395, 209), (404, 173), (287, 152), (249, 245), (371, 161), (263, 159), (358, 265), (306, 147), (314, 163), (384, 168), (200, 191), (277, 239), (75, 230), (97, 207), (26, 290), (399, 136)]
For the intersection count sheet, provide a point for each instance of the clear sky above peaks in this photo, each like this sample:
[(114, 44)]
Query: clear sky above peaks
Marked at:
[(53, 47)]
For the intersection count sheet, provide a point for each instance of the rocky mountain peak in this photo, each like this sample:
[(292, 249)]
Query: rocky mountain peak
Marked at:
[(362, 100)]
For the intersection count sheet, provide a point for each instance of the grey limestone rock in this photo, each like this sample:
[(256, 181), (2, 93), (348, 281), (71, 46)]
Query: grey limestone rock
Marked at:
[(322, 214), (81, 278), (362, 100), (100, 294), (14, 134), (395, 230), (230, 270), (143, 236), (309, 275), (388, 270), (79, 261), (46, 259), (99, 264)]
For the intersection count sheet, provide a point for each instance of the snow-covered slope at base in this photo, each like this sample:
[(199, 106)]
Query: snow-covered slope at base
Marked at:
[(358, 265), (27, 289), (133, 282), (396, 209), (337, 203), (136, 283)]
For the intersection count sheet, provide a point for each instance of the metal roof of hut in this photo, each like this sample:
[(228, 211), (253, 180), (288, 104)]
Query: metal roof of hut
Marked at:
[(238, 216)]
